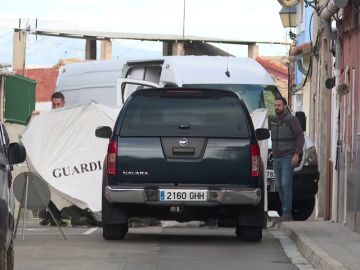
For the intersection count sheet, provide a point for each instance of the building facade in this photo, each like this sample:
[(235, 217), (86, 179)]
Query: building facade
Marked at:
[(331, 100)]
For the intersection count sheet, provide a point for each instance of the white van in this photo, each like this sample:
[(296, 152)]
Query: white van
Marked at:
[(91, 80)]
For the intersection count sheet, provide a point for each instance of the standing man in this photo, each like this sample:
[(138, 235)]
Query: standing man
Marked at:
[(57, 101), (287, 139)]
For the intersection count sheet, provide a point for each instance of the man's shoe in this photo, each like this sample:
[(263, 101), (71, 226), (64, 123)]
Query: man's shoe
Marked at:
[(285, 218), (45, 221)]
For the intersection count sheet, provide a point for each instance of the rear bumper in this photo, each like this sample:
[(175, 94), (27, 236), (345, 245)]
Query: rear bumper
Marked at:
[(233, 196)]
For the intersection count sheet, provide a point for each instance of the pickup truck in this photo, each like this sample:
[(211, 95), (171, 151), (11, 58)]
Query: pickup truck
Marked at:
[(183, 154)]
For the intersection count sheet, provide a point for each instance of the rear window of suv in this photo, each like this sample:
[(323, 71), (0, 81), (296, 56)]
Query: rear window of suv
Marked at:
[(185, 113)]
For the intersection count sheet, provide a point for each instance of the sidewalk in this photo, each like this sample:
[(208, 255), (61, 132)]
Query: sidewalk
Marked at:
[(324, 244)]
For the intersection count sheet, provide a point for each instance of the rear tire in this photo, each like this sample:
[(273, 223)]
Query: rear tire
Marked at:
[(115, 231), (249, 233)]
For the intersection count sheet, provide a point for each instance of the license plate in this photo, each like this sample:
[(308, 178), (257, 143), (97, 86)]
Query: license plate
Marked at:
[(270, 174), (183, 195)]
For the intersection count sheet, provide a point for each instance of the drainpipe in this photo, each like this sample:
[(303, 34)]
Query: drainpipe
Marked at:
[(331, 7), (327, 10), (335, 132), (346, 114)]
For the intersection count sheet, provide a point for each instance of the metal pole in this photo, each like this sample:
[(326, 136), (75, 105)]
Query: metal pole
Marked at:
[(47, 208), (26, 201), (2, 94), (183, 34), (289, 84), (24, 63), (20, 207)]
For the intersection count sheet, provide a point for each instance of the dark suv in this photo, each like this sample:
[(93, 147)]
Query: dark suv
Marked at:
[(183, 154), (10, 154)]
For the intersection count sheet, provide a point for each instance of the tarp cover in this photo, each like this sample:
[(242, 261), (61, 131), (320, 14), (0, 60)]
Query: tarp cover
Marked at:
[(61, 146)]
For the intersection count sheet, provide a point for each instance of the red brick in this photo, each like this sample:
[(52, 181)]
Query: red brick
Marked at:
[(45, 81)]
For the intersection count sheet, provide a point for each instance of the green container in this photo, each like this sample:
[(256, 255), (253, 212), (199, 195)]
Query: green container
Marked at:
[(19, 99)]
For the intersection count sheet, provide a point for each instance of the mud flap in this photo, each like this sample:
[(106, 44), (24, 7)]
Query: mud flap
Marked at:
[(112, 213), (251, 216)]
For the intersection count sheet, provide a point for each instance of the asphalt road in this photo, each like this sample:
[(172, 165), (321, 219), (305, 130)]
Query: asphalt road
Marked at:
[(149, 248)]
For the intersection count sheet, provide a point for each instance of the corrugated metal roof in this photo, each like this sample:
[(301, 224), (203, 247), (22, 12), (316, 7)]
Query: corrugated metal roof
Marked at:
[(138, 36)]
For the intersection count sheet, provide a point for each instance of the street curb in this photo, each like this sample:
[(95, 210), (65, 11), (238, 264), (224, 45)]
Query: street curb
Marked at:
[(315, 255)]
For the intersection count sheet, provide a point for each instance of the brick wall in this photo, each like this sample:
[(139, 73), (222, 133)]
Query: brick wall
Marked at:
[(45, 81)]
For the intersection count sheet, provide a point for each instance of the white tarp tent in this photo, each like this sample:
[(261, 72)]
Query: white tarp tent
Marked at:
[(61, 147)]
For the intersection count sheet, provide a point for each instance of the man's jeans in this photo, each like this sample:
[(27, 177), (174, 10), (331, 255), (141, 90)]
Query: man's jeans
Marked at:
[(284, 175)]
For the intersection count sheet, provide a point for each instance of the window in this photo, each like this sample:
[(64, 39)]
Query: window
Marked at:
[(174, 113)]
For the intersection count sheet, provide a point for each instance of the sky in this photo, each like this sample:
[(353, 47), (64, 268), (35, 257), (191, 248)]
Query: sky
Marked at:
[(229, 19)]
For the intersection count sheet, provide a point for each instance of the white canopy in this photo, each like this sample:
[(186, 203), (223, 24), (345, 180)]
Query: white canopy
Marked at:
[(61, 147)]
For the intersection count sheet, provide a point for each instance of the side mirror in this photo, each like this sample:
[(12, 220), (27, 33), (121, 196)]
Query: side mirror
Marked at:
[(103, 132), (17, 153), (262, 134), (302, 119)]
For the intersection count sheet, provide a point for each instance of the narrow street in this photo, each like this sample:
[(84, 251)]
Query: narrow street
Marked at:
[(147, 248)]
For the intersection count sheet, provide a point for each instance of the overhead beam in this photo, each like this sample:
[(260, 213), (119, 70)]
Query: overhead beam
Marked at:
[(143, 37), (172, 44)]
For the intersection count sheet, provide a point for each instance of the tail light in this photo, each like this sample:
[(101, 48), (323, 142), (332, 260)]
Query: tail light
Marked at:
[(255, 159), (111, 157)]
